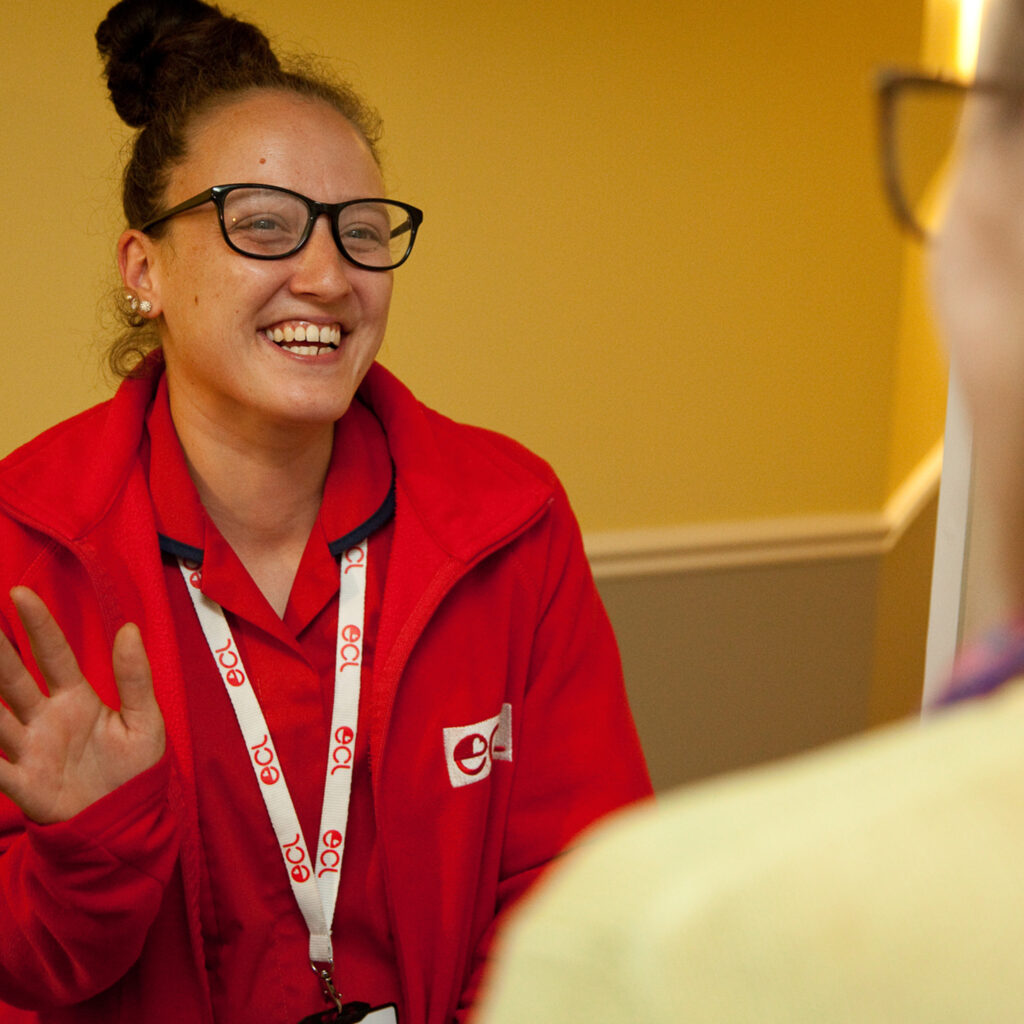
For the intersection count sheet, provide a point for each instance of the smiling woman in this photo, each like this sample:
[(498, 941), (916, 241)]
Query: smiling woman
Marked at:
[(329, 583)]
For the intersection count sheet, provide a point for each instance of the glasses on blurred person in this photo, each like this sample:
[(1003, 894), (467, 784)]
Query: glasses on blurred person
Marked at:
[(267, 222), (920, 120)]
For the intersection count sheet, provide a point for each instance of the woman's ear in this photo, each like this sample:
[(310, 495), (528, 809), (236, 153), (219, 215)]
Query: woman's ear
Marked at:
[(136, 261)]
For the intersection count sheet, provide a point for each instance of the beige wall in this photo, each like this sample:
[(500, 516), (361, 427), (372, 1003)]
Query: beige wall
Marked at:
[(732, 665), (727, 668)]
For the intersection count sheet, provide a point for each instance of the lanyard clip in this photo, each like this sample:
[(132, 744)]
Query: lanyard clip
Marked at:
[(323, 969)]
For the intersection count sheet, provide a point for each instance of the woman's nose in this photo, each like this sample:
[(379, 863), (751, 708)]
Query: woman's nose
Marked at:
[(319, 267)]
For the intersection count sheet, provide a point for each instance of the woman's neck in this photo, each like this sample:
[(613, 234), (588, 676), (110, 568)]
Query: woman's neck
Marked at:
[(262, 490)]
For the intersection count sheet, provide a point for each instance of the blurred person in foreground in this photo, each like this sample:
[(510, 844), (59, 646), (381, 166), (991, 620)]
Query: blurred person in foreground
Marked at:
[(879, 879)]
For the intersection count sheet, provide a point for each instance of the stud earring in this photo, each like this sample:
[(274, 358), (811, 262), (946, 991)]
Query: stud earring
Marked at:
[(135, 306)]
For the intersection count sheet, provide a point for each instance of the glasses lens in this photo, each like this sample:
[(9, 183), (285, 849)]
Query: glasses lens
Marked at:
[(376, 233), (928, 119), (263, 221)]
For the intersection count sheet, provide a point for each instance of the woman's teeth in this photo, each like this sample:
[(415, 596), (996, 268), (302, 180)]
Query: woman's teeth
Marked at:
[(306, 339)]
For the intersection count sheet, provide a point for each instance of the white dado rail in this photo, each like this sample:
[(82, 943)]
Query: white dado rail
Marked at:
[(683, 548)]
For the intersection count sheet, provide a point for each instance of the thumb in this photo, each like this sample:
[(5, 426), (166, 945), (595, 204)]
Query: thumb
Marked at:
[(134, 680)]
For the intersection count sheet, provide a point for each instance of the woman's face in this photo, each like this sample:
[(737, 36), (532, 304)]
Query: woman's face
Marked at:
[(221, 311)]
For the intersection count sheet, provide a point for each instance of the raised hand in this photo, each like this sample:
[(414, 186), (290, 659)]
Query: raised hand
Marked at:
[(66, 750)]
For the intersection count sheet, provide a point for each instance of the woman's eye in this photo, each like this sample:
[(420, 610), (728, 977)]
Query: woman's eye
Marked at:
[(264, 222), (364, 235)]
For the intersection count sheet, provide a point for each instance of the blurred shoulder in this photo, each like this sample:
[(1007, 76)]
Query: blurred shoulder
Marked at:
[(789, 887)]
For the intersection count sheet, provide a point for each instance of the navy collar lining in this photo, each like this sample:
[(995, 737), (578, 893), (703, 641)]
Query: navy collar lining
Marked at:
[(178, 549)]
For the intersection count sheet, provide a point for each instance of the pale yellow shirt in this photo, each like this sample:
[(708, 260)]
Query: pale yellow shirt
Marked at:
[(879, 880)]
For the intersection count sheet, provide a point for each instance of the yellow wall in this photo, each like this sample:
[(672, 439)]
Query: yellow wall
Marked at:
[(919, 378), (655, 248)]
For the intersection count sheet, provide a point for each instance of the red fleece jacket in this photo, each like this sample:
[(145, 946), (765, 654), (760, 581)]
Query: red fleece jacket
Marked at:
[(489, 603)]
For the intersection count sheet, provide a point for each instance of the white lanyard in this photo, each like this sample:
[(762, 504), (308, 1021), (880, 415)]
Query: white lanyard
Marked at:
[(314, 883)]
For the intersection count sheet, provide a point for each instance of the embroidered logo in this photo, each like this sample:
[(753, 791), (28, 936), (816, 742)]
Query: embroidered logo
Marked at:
[(470, 750)]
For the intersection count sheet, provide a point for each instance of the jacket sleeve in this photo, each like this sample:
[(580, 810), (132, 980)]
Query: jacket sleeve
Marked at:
[(577, 753), (78, 897)]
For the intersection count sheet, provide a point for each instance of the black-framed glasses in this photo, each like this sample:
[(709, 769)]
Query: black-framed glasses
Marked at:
[(920, 118), (267, 222)]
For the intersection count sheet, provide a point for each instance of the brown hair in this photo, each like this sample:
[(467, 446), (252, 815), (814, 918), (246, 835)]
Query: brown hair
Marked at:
[(166, 63)]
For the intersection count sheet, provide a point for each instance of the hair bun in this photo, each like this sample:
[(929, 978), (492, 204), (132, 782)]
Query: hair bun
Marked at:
[(158, 53)]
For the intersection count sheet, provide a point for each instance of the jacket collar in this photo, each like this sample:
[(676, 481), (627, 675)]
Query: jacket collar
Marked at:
[(471, 489), (64, 480)]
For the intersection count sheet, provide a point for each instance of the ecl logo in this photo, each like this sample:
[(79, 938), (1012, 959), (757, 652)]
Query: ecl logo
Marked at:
[(471, 750)]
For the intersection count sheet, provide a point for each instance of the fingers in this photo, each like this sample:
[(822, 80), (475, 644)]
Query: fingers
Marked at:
[(18, 690), (131, 670), (11, 736), (134, 681), (59, 667), (51, 651)]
